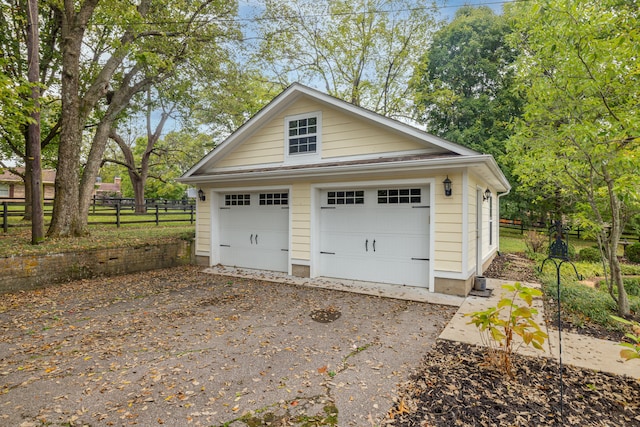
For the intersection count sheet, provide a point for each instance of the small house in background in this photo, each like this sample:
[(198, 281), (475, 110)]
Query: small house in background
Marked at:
[(108, 189), (12, 184), (313, 186)]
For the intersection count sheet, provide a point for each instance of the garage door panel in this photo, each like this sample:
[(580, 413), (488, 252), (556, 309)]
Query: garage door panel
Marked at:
[(400, 246), (384, 242), (254, 235)]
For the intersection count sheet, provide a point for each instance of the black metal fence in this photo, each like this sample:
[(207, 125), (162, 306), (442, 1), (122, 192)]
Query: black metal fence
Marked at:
[(107, 211)]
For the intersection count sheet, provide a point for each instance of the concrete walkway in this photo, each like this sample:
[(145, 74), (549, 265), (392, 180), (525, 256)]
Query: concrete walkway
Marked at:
[(577, 350)]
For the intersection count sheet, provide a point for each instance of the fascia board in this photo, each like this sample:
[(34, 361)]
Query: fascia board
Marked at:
[(315, 172)]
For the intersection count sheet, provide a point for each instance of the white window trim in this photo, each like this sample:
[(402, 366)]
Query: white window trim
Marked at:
[(303, 158), (5, 190)]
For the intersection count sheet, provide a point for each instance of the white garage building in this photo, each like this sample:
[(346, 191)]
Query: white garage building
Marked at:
[(316, 187)]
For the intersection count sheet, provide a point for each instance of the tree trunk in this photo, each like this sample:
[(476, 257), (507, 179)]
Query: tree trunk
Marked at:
[(137, 182), (28, 207), (65, 205), (92, 168), (614, 240), (33, 145)]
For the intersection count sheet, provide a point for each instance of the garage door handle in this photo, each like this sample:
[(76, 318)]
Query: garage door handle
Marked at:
[(366, 245), (420, 259), (251, 239), (374, 245), (256, 239)]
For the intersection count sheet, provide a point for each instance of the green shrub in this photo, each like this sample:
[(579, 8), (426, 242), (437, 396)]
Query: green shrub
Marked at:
[(632, 286), (589, 255), (583, 303), (633, 253), (535, 242)]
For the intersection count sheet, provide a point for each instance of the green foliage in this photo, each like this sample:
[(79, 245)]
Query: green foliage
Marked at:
[(577, 142), (632, 286), (361, 51), (633, 253), (497, 330), (632, 349), (463, 84), (583, 304), (590, 255)]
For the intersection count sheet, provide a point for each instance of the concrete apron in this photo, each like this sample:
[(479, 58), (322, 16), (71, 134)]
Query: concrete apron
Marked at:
[(410, 293), (577, 350)]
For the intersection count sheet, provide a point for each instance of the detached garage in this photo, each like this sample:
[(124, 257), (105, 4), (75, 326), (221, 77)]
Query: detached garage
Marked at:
[(313, 186)]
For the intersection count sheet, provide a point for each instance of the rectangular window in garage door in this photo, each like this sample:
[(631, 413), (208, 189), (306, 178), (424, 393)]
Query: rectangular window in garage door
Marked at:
[(345, 197), (274, 199), (237, 199), (399, 196)]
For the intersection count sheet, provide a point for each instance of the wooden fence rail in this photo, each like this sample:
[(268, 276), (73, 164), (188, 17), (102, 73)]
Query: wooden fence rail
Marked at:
[(116, 212), (543, 228)]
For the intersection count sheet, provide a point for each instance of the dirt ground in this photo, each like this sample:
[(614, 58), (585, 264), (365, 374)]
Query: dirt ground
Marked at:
[(180, 347)]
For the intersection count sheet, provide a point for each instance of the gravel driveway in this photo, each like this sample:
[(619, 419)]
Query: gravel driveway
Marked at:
[(181, 347)]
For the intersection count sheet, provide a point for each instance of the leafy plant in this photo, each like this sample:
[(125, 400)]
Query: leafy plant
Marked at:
[(632, 349), (633, 253), (589, 255), (497, 330), (535, 241)]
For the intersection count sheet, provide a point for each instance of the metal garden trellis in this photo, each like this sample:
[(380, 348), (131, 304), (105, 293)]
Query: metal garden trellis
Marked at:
[(559, 255)]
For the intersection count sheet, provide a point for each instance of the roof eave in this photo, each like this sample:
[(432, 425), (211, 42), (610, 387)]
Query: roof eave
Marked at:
[(314, 172)]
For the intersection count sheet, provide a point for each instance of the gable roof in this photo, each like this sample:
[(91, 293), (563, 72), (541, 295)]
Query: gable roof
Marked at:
[(297, 91)]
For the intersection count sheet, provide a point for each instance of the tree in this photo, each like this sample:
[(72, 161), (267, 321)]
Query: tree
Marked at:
[(361, 51), (33, 158), (18, 104), (139, 174), (579, 135), (132, 47), (463, 86)]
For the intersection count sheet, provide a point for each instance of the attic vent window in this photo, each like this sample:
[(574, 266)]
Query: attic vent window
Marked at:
[(303, 135)]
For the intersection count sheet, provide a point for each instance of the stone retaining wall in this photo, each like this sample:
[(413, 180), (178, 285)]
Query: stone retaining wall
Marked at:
[(33, 271)]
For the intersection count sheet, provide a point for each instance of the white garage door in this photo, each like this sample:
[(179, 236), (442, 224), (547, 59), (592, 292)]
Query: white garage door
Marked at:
[(254, 230), (377, 235)]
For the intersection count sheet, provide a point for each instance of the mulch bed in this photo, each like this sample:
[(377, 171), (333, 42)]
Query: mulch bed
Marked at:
[(457, 385)]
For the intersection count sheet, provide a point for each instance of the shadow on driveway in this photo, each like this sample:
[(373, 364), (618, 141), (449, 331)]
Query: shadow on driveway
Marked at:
[(181, 347)]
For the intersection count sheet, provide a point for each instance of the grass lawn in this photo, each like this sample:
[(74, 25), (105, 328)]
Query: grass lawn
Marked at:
[(17, 241)]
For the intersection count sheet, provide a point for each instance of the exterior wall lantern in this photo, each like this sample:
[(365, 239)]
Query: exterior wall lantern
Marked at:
[(447, 186), (201, 195), (487, 195)]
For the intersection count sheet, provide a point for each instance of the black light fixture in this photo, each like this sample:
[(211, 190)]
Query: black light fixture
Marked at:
[(487, 195), (447, 186), (201, 195)]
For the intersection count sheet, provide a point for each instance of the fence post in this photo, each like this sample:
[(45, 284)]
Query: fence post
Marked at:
[(118, 214), (157, 215), (521, 226), (5, 216), (191, 216)]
